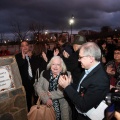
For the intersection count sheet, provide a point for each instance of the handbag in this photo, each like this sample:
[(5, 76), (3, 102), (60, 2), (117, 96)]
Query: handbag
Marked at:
[(41, 112), (37, 76)]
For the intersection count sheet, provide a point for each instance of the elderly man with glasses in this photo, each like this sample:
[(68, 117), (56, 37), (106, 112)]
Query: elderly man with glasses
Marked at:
[(93, 85)]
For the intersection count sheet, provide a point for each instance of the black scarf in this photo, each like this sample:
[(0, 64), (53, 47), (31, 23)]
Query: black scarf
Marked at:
[(53, 82)]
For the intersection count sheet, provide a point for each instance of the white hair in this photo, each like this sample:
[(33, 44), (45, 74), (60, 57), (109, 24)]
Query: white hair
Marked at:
[(64, 69)]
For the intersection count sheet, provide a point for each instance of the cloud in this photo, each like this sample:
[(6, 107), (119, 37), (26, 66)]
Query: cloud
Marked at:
[(53, 14)]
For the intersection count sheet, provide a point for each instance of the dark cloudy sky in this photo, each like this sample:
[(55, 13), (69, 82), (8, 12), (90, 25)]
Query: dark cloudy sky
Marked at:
[(54, 14)]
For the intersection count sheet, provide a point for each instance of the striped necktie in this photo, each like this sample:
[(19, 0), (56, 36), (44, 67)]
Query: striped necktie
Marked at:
[(29, 67)]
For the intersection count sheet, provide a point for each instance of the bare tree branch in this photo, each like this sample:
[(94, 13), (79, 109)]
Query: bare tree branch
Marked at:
[(19, 31)]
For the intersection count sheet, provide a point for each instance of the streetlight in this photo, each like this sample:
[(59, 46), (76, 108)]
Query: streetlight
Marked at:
[(46, 32), (71, 22)]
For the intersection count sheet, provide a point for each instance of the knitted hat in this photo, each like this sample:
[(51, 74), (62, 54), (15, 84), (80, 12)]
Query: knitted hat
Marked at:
[(79, 40)]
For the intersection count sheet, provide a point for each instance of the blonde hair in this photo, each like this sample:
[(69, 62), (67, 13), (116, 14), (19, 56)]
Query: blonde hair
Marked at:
[(64, 69)]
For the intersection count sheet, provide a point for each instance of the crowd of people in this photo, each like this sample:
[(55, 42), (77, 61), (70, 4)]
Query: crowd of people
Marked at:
[(73, 78)]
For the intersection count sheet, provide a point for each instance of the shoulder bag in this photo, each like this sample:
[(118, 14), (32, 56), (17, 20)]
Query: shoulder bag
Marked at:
[(41, 112)]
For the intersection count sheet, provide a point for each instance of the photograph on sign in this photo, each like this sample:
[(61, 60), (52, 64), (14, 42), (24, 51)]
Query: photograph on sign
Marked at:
[(6, 78)]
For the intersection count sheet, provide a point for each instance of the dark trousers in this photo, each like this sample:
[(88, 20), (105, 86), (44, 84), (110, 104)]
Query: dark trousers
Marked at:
[(74, 112), (78, 116), (29, 100)]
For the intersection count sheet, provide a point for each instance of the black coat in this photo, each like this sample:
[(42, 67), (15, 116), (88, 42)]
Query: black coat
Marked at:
[(73, 65)]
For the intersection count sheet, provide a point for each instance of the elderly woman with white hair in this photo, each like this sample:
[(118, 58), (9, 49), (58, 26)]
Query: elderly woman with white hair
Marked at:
[(50, 92)]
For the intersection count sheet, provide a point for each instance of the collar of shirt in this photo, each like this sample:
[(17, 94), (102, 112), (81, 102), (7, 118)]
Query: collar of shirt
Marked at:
[(89, 70), (26, 55), (86, 73)]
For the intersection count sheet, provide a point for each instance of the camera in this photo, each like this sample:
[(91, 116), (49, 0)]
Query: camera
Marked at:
[(113, 101), (118, 85), (112, 97)]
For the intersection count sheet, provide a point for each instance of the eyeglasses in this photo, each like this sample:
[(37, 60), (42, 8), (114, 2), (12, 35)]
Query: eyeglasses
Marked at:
[(80, 57)]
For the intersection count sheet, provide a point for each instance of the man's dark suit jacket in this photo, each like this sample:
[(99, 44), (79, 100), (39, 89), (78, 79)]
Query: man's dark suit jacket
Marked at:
[(23, 68), (92, 91), (36, 62)]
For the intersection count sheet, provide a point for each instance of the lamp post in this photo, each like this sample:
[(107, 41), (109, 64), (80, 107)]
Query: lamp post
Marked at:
[(46, 32), (71, 22)]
